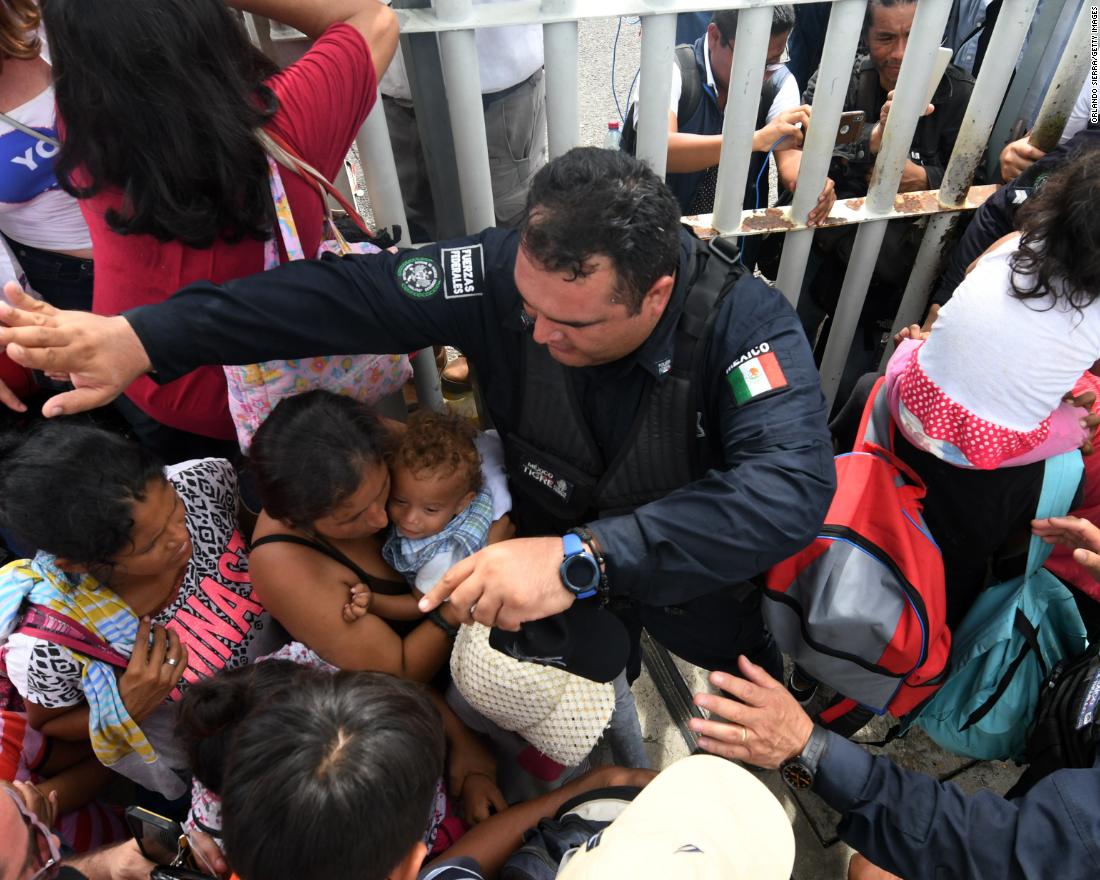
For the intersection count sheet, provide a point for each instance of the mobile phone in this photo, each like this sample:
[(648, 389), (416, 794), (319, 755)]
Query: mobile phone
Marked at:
[(157, 836), (939, 67), (850, 128)]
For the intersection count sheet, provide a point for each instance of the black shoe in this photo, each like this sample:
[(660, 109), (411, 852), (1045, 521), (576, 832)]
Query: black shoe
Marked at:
[(801, 686)]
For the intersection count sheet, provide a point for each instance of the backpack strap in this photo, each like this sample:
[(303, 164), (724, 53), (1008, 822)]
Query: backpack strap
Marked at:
[(1061, 479), (691, 84), (42, 622)]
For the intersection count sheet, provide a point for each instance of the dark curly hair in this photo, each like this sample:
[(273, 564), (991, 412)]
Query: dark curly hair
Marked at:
[(308, 456), (592, 202), (1059, 251), (70, 490), (161, 99), (441, 442)]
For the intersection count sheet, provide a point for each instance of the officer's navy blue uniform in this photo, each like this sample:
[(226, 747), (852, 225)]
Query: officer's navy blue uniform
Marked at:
[(917, 827), (679, 557)]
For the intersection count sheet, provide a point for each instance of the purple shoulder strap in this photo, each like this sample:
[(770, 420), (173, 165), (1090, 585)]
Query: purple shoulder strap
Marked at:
[(44, 623)]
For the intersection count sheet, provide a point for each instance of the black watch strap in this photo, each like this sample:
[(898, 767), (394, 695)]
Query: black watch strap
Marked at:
[(801, 771)]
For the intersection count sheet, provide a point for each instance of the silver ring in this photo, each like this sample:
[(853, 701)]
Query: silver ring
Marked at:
[(171, 661)]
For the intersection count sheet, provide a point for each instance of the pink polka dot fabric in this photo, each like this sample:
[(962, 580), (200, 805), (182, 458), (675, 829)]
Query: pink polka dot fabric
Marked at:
[(985, 444)]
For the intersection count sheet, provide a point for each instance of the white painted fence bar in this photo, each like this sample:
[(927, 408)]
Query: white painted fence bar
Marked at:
[(458, 53), (993, 79), (380, 172), (916, 67), (418, 21), (655, 90), (559, 42), (746, 79), (841, 40), (1066, 84)]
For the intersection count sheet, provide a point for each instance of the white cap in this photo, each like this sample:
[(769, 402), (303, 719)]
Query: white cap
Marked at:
[(702, 818), (560, 714)]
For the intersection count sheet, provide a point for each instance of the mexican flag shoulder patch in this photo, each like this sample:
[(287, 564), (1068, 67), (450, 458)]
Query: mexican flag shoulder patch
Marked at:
[(755, 374)]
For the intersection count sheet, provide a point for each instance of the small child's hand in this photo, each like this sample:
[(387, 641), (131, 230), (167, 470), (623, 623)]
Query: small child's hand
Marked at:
[(913, 331), (358, 603), (481, 798)]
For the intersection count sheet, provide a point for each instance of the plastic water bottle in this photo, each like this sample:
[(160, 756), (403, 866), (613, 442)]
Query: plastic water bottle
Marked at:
[(611, 142)]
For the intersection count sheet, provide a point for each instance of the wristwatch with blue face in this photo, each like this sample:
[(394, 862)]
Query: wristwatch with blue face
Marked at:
[(580, 573)]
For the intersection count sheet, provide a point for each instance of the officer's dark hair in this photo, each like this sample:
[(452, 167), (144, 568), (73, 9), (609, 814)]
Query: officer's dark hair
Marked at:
[(1059, 251), (592, 202), (308, 456), (70, 490), (783, 18), (161, 100), (335, 780), (872, 5)]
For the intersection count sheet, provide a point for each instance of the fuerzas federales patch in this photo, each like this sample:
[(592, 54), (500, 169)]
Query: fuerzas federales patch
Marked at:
[(754, 374)]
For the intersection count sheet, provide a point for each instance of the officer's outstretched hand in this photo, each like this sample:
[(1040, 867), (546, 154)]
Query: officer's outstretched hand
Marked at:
[(764, 725), (102, 355), (504, 584)]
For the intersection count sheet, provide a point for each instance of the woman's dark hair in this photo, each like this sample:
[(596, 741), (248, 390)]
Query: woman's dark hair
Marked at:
[(70, 489), (334, 780), (161, 99), (309, 454), (1059, 250), (591, 202), (212, 709)]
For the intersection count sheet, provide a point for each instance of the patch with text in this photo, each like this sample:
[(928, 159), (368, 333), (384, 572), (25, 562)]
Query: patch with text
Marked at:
[(463, 271)]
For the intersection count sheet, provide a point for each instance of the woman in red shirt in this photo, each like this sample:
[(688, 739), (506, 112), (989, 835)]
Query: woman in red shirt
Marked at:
[(160, 101)]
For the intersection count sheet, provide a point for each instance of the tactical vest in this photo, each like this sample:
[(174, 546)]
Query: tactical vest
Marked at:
[(557, 473)]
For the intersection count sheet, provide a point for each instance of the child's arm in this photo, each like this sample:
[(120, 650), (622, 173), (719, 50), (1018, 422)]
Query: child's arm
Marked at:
[(395, 607), (66, 722)]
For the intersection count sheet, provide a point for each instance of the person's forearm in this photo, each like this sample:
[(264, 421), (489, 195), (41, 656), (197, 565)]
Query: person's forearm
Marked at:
[(490, 843), (78, 785), (787, 163), (424, 651), (692, 152), (71, 726), (377, 23), (395, 607)]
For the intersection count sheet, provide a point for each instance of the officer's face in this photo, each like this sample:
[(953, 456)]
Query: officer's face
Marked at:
[(363, 512), (887, 37), (583, 322)]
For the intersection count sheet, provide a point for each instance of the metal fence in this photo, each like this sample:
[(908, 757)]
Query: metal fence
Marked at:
[(455, 20)]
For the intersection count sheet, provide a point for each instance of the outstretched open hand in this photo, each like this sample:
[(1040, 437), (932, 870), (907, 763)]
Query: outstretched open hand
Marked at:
[(101, 355)]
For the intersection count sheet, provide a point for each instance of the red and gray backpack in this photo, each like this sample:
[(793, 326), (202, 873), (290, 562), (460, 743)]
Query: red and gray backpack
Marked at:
[(862, 608)]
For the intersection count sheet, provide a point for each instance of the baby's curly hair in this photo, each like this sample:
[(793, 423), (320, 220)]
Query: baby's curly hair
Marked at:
[(441, 442)]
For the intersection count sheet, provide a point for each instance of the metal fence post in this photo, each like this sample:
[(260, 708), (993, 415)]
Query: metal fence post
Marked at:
[(841, 41), (1066, 84), (924, 40), (981, 113), (458, 51), (750, 52), (560, 44), (655, 89), (380, 172)]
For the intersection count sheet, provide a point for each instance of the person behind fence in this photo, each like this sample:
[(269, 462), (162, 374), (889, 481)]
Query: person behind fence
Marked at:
[(697, 107), (337, 779), (139, 587), (886, 35), (583, 325), (904, 821), (162, 103)]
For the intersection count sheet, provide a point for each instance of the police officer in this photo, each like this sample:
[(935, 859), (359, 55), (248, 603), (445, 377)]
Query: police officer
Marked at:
[(649, 392)]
